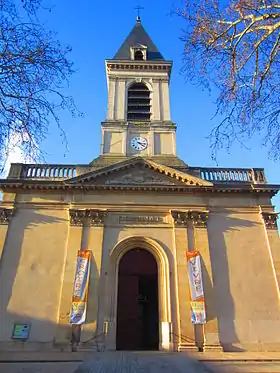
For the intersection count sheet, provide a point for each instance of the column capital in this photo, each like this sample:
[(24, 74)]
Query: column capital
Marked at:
[(89, 217), (96, 217), (77, 217), (180, 218), (5, 215), (270, 220), (199, 218)]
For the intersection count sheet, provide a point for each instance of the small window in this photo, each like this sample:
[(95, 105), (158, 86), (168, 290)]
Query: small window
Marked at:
[(139, 56), (139, 103)]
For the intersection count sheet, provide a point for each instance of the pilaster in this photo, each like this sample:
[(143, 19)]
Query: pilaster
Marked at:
[(186, 338), (120, 114), (210, 329), (91, 330), (81, 236), (111, 98), (165, 100), (270, 225), (64, 330), (156, 100)]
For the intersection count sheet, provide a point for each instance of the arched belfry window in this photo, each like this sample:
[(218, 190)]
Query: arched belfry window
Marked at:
[(139, 103), (139, 56)]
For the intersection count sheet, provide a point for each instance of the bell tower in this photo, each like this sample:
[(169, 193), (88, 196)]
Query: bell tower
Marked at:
[(138, 119)]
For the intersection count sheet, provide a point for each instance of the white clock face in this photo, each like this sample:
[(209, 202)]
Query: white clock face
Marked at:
[(139, 143)]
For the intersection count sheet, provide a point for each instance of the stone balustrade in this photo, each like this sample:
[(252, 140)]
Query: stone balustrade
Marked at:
[(64, 172), (235, 175), (42, 171)]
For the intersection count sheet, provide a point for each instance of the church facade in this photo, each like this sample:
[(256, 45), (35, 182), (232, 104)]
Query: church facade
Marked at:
[(138, 210)]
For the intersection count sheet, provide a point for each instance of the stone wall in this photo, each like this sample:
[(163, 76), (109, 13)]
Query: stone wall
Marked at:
[(240, 264)]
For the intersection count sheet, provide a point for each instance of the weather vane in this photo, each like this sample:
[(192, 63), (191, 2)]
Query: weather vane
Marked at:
[(138, 8)]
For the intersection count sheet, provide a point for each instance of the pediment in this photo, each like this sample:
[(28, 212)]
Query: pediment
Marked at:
[(140, 46), (137, 176), (138, 172)]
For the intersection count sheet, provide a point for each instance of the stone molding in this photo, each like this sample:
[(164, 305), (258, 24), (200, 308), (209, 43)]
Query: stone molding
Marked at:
[(136, 66), (160, 80), (198, 218), (5, 215), (80, 218), (270, 220)]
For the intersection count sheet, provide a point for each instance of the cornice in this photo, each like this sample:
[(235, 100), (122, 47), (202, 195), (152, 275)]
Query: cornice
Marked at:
[(64, 186), (5, 216), (131, 65)]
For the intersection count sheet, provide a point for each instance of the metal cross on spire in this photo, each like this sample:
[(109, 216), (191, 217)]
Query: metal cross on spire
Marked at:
[(138, 8)]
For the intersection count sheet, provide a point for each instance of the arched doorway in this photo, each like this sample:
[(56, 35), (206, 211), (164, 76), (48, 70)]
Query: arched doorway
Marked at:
[(137, 307)]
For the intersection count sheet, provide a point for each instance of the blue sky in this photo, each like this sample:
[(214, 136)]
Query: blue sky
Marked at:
[(95, 30)]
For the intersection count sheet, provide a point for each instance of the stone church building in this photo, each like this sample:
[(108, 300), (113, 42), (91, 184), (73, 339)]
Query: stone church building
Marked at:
[(138, 209)]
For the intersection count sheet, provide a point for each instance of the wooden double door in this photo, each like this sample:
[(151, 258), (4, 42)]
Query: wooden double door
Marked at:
[(137, 310)]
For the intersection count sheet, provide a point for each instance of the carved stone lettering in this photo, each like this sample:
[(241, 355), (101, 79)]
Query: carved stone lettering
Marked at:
[(127, 219), (270, 220)]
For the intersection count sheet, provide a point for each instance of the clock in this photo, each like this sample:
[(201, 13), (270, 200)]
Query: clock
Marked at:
[(139, 143)]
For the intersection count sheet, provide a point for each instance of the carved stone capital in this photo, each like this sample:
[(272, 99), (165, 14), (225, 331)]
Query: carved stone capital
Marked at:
[(95, 217), (80, 218), (199, 218), (270, 220), (5, 215), (77, 217), (180, 218)]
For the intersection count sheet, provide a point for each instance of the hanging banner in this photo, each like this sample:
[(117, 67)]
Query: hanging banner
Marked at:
[(196, 288), (80, 289)]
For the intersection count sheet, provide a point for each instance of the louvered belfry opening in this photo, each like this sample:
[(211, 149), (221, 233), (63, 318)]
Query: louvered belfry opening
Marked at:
[(139, 103)]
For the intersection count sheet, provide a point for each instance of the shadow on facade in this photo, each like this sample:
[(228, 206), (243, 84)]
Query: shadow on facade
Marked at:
[(22, 267), (221, 292), (42, 337)]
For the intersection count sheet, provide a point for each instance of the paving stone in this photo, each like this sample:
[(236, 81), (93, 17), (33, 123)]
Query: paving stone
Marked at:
[(126, 362), (40, 367), (143, 362)]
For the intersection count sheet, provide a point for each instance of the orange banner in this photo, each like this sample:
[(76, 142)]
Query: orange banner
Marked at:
[(196, 287), (80, 289)]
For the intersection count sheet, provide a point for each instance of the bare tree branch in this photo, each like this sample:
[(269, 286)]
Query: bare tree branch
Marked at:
[(236, 47), (34, 66)]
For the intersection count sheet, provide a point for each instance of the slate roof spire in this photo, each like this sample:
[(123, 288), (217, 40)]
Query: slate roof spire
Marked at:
[(138, 36)]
